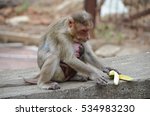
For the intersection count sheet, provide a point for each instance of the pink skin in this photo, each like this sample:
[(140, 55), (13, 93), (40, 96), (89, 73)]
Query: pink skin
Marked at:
[(76, 47)]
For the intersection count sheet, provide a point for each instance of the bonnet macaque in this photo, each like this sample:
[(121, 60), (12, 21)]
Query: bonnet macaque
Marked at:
[(64, 53)]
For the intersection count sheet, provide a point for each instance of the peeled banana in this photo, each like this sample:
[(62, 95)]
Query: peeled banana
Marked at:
[(117, 77)]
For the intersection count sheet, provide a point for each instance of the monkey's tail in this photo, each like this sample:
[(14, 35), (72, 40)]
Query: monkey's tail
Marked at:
[(32, 81)]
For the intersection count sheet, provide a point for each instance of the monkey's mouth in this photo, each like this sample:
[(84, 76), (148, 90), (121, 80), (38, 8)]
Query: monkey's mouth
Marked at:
[(83, 35), (84, 32)]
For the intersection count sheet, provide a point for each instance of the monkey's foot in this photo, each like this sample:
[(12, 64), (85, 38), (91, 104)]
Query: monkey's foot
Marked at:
[(79, 78), (51, 86)]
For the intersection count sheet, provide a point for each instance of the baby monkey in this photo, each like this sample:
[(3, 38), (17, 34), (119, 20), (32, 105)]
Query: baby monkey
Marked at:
[(64, 53)]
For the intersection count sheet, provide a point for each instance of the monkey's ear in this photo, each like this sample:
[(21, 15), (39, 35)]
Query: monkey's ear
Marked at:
[(71, 22)]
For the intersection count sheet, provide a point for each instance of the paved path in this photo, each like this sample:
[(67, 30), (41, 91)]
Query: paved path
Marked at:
[(16, 56)]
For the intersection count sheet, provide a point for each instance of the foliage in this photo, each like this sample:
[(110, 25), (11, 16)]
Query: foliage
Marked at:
[(108, 32), (23, 7)]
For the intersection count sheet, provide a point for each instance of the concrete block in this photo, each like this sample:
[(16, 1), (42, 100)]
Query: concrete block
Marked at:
[(137, 66)]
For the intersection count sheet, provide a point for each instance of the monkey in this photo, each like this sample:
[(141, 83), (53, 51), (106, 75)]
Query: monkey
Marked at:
[(65, 54)]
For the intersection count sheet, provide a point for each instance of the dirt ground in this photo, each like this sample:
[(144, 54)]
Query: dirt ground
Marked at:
[(19, 57)]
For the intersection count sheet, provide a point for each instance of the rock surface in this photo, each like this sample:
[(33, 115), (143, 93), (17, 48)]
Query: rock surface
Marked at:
[(108, 50), (136, 66)]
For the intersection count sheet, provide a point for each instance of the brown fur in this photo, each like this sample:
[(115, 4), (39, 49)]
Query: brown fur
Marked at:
[(57, 45)]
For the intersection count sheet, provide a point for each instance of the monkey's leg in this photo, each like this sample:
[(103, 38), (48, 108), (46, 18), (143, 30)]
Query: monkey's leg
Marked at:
[(47, 72)]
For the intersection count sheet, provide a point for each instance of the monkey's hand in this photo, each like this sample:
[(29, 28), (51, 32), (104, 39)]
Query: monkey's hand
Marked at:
[(108, 69), (99, 78)]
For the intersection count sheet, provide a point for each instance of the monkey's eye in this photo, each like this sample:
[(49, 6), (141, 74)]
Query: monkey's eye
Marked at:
[(87, 23)]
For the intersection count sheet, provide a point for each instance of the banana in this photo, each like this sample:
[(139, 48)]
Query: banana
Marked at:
[(125, 77), (114, 75)]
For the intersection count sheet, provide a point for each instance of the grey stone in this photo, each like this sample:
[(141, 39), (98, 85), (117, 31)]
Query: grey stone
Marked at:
[(136, 66), (17, 20), (107, 50), (128, 51)]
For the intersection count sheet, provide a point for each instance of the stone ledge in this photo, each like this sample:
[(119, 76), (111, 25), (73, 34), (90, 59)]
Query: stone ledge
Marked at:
[(137, 66)]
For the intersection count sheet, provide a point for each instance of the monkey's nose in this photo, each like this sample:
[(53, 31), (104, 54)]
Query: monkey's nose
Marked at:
[(85, 30)]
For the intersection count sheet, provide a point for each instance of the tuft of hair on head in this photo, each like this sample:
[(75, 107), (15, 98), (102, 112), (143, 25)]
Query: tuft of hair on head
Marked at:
[(81, 16)]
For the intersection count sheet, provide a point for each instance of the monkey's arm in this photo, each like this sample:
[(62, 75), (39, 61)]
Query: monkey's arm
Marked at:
[(91, 58), (79, 66), (67, 56), (92, 72)]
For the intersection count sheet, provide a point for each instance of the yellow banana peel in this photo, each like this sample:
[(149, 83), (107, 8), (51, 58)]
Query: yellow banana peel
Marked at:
[(125, 77), (114, 75)]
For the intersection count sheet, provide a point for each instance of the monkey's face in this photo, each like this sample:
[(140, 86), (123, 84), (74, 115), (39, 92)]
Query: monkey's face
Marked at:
[(82, 31)]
